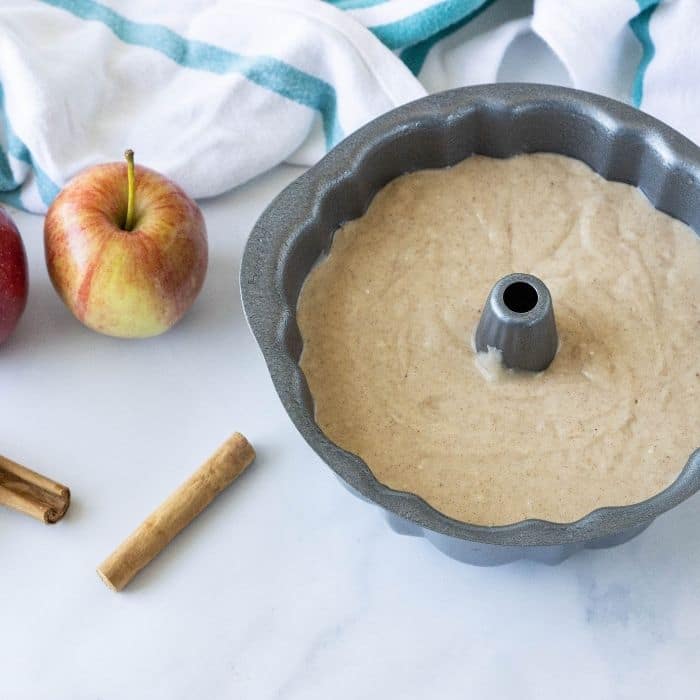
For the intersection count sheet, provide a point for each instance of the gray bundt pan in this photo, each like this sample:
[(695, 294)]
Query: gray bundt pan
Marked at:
[(501, 120)]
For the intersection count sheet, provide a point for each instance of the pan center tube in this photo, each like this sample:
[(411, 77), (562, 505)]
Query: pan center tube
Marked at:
[(518, 319)]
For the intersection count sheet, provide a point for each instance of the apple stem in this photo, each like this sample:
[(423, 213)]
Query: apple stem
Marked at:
[(131, 187)]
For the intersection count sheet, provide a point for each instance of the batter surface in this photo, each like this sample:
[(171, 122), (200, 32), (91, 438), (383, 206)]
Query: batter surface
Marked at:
[(387, 321)]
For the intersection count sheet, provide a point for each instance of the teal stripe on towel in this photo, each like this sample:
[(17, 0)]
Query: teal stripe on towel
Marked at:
[(640, 27), (414, 56), (7, 180), (18, 149), (268, 72), (12, 198), (423, 24), (9, 187)]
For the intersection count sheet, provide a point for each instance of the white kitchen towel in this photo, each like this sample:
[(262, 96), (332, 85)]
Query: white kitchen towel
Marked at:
[(214, 92)]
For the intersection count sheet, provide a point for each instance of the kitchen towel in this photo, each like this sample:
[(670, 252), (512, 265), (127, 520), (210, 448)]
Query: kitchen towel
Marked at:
[(215, 92)]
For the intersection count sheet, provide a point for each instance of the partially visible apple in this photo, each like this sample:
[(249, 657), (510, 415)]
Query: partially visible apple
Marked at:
[(14, 284), (126, 249)]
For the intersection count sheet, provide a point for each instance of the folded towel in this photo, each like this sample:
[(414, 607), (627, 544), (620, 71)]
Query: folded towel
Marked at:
[(214, 92)]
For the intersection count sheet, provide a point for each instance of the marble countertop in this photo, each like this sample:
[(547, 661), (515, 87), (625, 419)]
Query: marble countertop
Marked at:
[(287, 586)]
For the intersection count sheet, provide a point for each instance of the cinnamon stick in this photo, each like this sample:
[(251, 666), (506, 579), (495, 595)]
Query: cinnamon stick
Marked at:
[(31, 493), (176, 512)]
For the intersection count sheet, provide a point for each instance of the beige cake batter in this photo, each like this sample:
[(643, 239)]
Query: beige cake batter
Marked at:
[(388, 318)]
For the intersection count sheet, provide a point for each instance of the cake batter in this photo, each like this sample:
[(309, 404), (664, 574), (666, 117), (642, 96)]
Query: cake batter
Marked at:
[(387, 321)]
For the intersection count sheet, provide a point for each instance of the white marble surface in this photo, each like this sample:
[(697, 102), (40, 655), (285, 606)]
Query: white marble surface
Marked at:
[(287, 587)]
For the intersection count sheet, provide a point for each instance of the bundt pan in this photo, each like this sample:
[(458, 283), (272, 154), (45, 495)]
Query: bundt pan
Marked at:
[(501, 120)]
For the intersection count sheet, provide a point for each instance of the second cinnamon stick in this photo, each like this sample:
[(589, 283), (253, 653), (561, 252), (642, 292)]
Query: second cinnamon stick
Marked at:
[(176, 512)]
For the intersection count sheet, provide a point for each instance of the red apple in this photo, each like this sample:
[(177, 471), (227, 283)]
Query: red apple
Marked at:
[(126, 249), (14, 284)]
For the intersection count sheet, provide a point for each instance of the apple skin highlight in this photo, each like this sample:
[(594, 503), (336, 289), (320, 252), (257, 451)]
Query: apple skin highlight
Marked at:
[(129, 284)]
